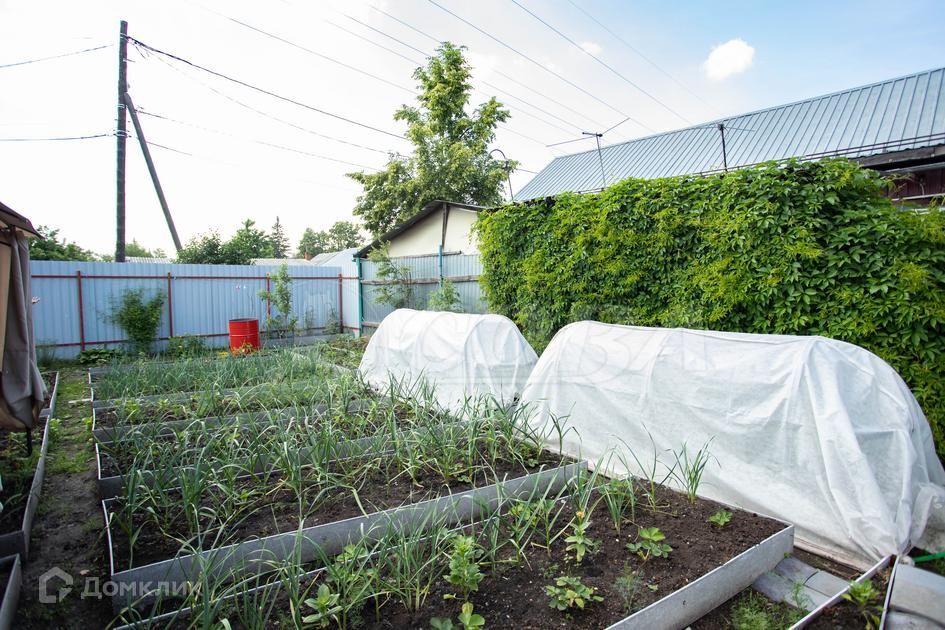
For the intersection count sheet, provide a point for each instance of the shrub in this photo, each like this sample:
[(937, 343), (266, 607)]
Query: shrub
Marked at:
[(445, 298), (138, 318), (186, 346), (795, 248), (280, 296), (397, 290)]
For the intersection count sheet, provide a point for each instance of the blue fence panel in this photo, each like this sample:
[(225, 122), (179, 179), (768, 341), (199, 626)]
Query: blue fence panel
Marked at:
[(77, 299), (463, 270)]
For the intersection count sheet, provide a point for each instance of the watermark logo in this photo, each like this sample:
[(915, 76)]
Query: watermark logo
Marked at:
[(49, 580)]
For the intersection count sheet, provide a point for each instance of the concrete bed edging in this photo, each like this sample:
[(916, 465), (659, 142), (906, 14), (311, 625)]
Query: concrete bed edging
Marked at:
[(256, 556), (696, 599), (11, 593), (18, 541)]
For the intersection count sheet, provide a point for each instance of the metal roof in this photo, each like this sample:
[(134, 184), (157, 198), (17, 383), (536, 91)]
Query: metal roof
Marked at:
[(894, 115)]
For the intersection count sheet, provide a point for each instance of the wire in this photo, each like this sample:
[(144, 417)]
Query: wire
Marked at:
[(59, 139), (419, 63), (273, 117), (254, 140), (540, 65), (68, 54), (641, 55), (250, 86), (602, 62), (315, 53)]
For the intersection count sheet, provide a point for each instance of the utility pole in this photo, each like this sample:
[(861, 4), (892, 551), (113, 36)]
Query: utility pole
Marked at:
[(121, 137), (130, 106), (600, 155), (721, 128)]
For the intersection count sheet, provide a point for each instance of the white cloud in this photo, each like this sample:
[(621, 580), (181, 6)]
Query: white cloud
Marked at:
[(592, 48), (733, 57)]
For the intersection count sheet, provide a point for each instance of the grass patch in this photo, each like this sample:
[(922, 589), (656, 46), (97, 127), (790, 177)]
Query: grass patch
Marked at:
[(753, 611)]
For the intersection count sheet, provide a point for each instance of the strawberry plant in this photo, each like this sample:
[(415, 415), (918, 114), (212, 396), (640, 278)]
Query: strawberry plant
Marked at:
[(650, 544)]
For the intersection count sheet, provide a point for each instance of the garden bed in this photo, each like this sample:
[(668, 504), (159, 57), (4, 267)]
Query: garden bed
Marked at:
[(23, 485), (11, 577), (340, 521)]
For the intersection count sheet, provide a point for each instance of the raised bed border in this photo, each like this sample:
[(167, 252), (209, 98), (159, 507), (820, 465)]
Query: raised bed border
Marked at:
[(873, 570), (11, 594), (696, 599), (18, 541), (328, 538)]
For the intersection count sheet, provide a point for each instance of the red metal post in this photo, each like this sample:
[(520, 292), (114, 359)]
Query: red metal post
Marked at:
[(170, 308), (268, 303), (78, 286), (341, 307)]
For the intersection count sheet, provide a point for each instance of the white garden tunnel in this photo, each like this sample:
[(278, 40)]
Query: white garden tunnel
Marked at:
[(816, 432), (461, 357)]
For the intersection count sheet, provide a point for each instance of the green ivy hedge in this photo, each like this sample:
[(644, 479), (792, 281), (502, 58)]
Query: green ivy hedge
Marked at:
[(795, 248)]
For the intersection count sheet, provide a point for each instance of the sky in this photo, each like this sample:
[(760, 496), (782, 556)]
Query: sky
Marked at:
[(225, 152)]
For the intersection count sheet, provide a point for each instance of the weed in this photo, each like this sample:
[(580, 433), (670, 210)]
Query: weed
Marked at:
[(721, 518), (627, 585), (650, 544), (753, 611), (464, 566), (863, 595), (570, 592), (325, 605), (579, 542)]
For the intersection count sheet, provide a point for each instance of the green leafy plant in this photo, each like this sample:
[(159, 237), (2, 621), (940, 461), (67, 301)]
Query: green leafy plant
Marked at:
[(139, 318), (325, 605), (650, 544), (97, 356), (864, 596), (280, 297), (467, 619), (570, 592), (808, 248), (445, 298), (396, 290), (579, 542), (185, 346), (721, 518), (464, 566)]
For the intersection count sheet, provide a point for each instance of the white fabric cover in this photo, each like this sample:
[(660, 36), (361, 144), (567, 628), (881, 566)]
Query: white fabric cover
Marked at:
[(462, 356), (813, 431)]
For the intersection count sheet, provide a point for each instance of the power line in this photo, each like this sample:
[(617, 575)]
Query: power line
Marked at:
[(540, 65), (250, 86), (601, 62), (59, 139), (315, 53), (260, 112), (68, 54), (498, 72), (255, 140), (641, 55)]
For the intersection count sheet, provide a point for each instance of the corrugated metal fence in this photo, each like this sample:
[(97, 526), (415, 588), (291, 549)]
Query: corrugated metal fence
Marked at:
[(425, 272), (76, 299)]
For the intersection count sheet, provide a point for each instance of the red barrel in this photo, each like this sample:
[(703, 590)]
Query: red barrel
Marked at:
[(244, 336)]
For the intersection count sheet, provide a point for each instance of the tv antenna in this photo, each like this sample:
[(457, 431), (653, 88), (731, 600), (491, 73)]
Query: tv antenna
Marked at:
[(597, 135)]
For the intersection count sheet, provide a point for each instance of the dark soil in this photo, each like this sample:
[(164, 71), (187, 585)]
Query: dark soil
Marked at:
[(67, 532), (279, 512), (514, 596), (845, 614)]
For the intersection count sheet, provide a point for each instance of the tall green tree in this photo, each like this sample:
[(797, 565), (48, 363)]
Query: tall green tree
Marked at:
[(450, 158), (134, 248), (210, 249), (51, 247), (203, 249), (278, 240), (341, 235)]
